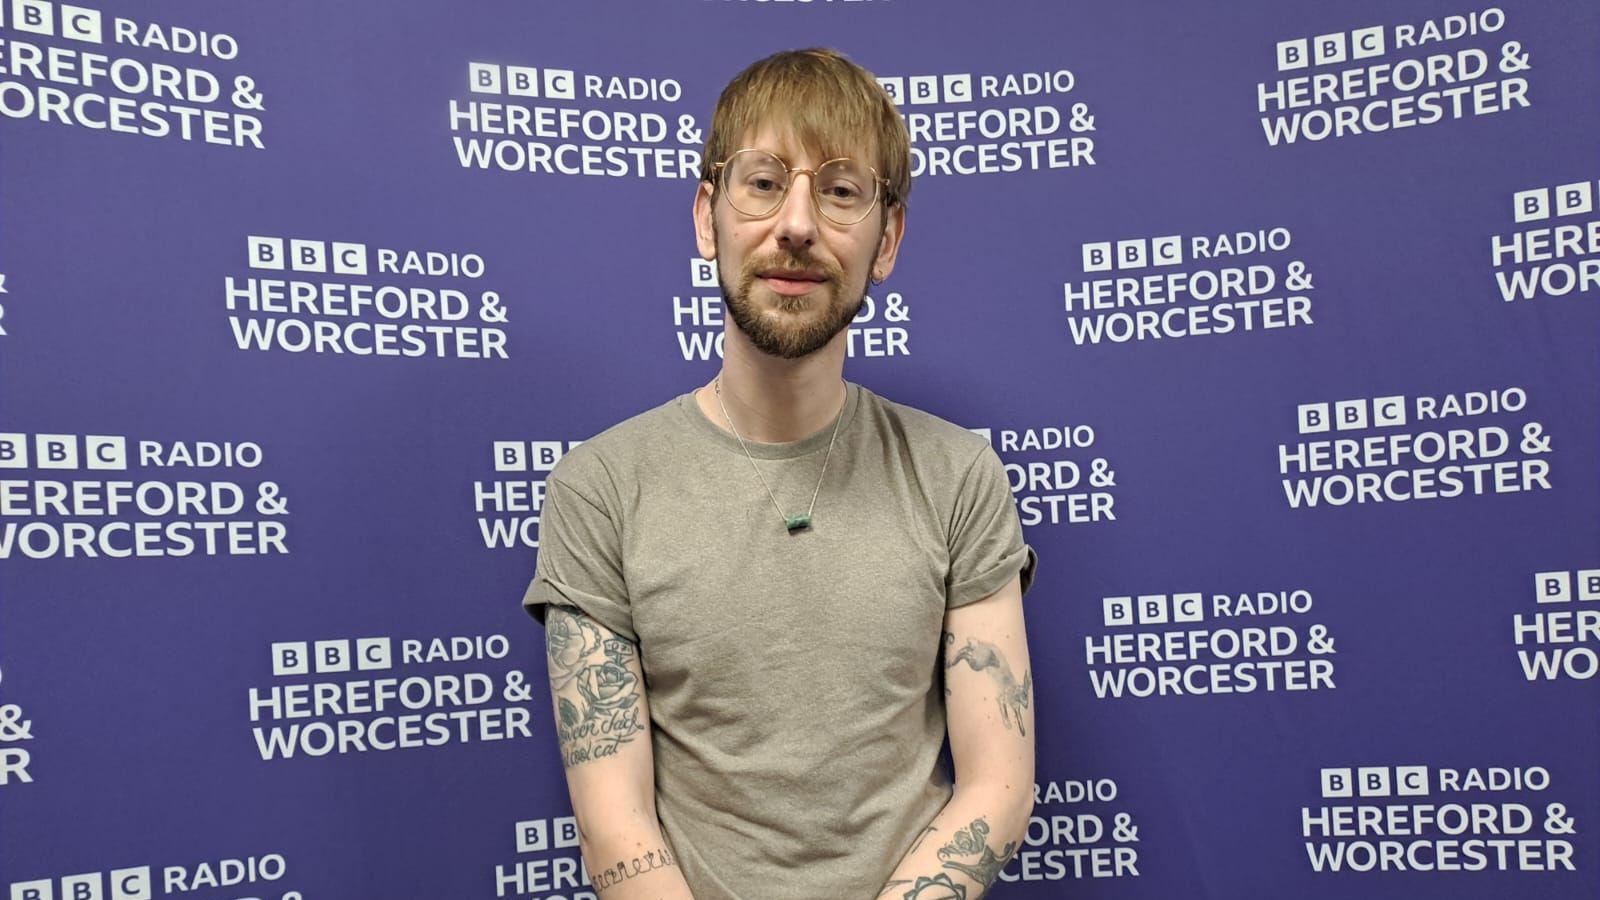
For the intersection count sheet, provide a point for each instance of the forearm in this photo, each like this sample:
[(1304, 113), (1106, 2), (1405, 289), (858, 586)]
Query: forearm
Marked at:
[(967, 843), (628, 859)]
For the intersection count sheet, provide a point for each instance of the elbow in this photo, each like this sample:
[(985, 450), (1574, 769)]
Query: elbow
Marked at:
[(1010, 801)]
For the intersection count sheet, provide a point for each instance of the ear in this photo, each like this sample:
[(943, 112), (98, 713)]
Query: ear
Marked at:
[(705, 237), (889, 243)]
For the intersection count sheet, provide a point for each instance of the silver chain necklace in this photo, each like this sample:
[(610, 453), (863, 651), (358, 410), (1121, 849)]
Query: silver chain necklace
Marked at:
[(793, 523)]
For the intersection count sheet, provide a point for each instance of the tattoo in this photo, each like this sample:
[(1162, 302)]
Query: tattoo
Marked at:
[(641, 865), (939, 887), (1013, 697), (967, 841), (973, 841), (920, 838), (599, 714)]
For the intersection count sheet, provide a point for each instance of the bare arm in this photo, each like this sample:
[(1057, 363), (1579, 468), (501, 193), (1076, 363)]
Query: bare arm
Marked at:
[(989, 710), (603, 722)]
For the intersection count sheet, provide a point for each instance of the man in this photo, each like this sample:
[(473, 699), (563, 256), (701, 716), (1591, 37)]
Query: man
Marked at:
[(766, 600)]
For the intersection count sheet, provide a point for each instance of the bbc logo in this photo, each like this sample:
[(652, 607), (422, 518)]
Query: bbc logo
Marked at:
[(1104, 256), (1153, 609), (559, 833), (1375, 781), (919, 90), (1351, 415), (1336, 47), (1556, 587), (1573, 199), (62, 451), (40, 17), (345, 257), (126, 884), (529, 456), (304, 657), (522, 81)]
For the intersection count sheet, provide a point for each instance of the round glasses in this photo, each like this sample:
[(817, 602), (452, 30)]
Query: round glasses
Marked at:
[(755, 182)]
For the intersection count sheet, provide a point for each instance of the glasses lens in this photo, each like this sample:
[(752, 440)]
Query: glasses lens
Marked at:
[(846, 190), (755, 181)]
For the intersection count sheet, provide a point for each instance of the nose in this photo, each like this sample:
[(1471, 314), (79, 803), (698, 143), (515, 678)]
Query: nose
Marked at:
[(797, 216)]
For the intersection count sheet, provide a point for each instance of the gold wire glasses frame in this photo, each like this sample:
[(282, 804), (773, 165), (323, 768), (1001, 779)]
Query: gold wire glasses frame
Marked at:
[(750, 199)]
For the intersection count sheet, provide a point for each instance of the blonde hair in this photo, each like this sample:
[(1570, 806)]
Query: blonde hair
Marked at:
[(825, 101)]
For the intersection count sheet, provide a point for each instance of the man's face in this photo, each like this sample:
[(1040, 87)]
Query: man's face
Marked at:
[(793, 280)]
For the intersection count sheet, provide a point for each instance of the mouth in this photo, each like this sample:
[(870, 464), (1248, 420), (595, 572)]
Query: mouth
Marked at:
[(792, 282)]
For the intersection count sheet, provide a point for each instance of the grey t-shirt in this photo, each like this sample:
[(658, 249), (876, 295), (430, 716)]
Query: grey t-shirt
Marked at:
[(793, 679)]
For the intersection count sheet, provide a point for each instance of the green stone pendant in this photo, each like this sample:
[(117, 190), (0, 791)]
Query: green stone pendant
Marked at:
[(796, 523)]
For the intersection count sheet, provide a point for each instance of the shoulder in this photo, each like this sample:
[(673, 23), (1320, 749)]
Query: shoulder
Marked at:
[(935, 444), (594, 466)]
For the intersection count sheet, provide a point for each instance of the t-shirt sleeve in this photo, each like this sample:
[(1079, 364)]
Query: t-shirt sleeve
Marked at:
[(579, 561), (986, 543)]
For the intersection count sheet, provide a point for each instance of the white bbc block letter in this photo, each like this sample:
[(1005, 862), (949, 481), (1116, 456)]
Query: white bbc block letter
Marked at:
[(332, 656), (1411, 781), (483, 78), (1589, 584), (55, 451), (308, 256), (703, 272), (1373, 781), (1531, 205), (105, 451), (895, 88), (265, 252), (1575, 199), (373, 653), (565, 832), (131, 884), (13, 444), (1166, 251), (35, 16), (1132, 254), (349, 258), (1328, 48), (1552, 587), (1313, 417), (509, 456), (957, 88), (1188, 607), (543, 455), (1336, 783), (1366, 42), (1152, 609), (1118, 610), (532, 835), (291, 658), (1097, 257), (42, 889), (1350, 415), (560, 84), (81, 24), (1292, 54), (522, 81), (88, 886), (1387, 411)]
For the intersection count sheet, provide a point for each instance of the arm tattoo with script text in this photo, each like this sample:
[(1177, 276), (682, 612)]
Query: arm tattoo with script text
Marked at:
[(641, 865), (596, 696), (984, 657)]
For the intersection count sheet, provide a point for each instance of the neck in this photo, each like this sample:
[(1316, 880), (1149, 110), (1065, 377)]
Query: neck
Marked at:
[(774, 400)]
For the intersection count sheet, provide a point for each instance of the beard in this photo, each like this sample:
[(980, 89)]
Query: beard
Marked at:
[(794, 326)]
